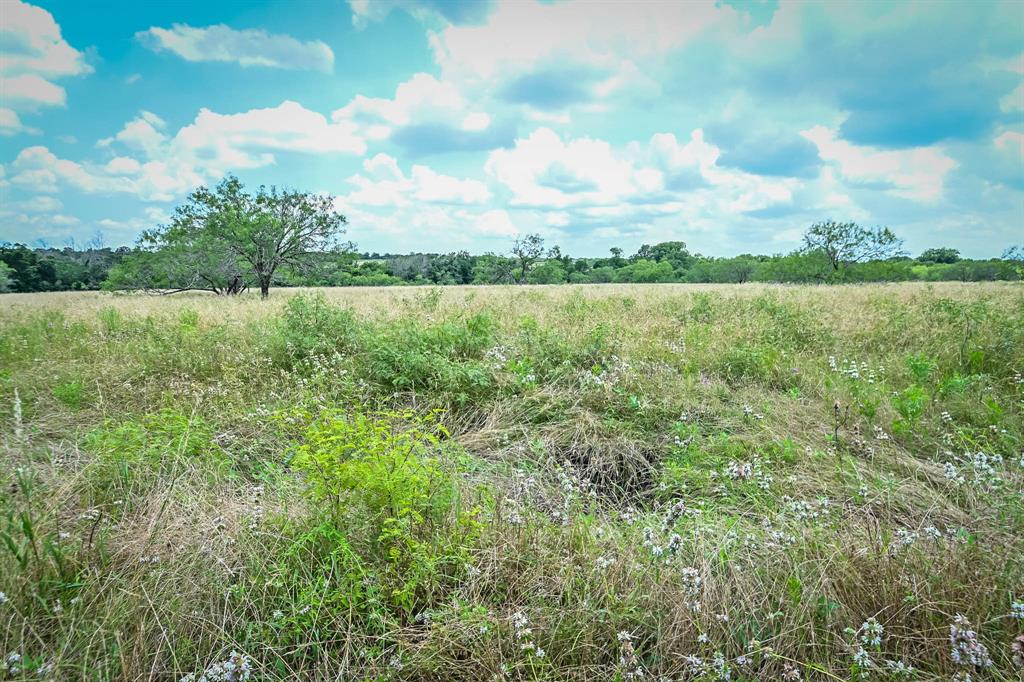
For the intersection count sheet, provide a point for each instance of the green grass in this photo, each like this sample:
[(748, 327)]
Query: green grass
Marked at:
[(513, 483)]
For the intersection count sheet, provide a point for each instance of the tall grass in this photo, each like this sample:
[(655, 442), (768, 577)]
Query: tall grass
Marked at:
[(603, 482)]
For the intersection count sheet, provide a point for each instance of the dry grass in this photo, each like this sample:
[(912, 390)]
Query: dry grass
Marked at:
[(155, 520)]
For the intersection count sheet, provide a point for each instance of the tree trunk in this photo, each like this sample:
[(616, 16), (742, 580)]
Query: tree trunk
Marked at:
[(264, 289)]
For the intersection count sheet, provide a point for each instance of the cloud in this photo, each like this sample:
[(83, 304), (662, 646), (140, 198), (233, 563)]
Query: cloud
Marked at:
[(449, 11), (38, 169), (495, 222), (764, 148), (915, 174), (32, 54), (425, 116), (904, 76), (144, 133), (157, 166), (38, 204), (10, 124), (595, 34), (552, 88), (230, 139), (542, 170), (386, 185), (581, 185), (26, 227), (30, 91), (247, 47)]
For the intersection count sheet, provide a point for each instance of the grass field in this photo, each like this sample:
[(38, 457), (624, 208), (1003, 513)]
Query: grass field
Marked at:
[(614, 482)]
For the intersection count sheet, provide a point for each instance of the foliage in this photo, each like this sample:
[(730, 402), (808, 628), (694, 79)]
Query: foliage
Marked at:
[(939, 255), (527, 250), (227, 236), (184, 256), (844, 243)]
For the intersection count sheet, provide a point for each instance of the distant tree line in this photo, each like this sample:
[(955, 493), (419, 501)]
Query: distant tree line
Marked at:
[(226, 240)]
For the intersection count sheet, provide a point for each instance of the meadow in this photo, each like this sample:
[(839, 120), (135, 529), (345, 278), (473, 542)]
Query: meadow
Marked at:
[(602, 482)]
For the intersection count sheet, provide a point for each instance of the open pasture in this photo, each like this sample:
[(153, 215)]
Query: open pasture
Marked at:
[(680, 482)]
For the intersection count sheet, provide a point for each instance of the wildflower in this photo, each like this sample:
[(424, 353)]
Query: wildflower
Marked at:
[(790, 673), (523, 633), (952, 473), (904, 538), (278, 614), (676, 512), (395, 662), (862, 658), (691, 586), (604, 562), (628, 660), (236, 668), (720, 667), (11, 663), (1016, 609), (899, 669), (740, 470), (872, 632), (966, 649), (3, 598)]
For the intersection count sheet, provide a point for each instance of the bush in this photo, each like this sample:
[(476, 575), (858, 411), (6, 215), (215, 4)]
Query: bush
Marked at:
[(443, 358), (312, 326), (386, 466)]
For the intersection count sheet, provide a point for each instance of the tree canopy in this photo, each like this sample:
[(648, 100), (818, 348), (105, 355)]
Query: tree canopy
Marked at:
[(844, 243), (225, 239)]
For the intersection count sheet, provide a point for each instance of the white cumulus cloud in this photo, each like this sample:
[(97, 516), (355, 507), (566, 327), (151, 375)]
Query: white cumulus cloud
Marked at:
[(32, 55), (917, 173), (247, 47)]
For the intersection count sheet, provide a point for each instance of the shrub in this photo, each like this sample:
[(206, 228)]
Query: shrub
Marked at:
[(387, 467), (312, 326)]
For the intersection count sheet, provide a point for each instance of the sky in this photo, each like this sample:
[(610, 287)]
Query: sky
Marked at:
[(443, 125)]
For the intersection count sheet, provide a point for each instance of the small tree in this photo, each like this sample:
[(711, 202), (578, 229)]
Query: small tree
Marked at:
[(527, 251), (260, 232), (843, 243)]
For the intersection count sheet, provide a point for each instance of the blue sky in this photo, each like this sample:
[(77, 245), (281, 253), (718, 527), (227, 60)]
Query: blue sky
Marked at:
[(458, 124)]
